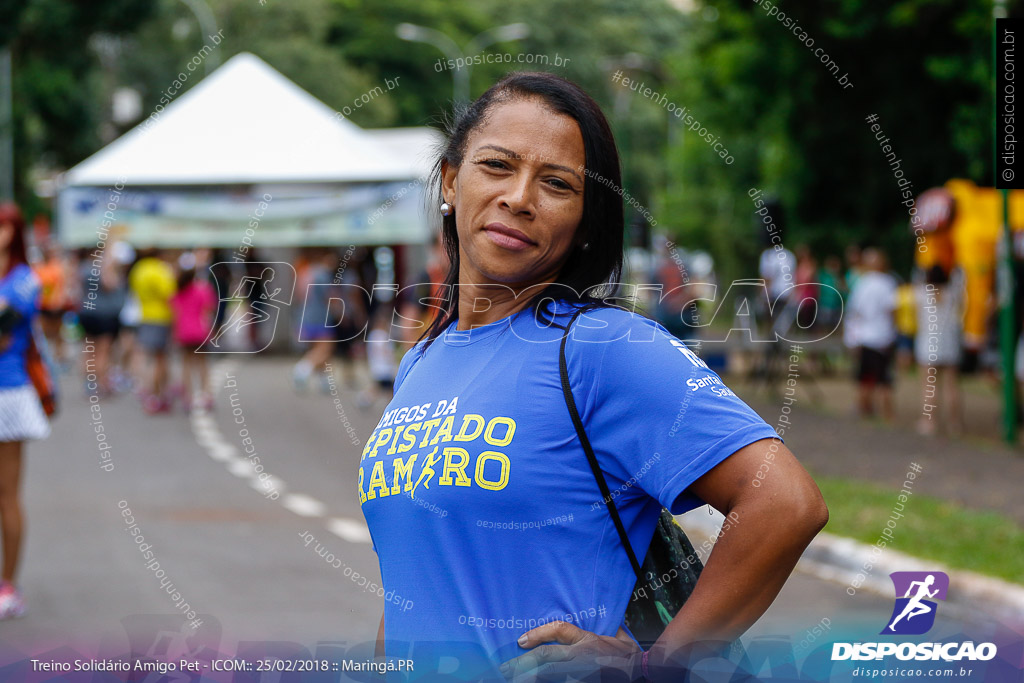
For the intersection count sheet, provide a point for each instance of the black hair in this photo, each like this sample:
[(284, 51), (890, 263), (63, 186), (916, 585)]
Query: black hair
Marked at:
[(587, 276), (936, 275), (186, 277)]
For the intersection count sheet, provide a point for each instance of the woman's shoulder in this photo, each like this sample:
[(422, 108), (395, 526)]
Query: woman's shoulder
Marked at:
[(606, 323), (409, 359), (607, 319), (620, 348)]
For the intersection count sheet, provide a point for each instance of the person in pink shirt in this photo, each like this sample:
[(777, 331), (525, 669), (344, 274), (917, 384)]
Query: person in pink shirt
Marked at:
[(194, 306)]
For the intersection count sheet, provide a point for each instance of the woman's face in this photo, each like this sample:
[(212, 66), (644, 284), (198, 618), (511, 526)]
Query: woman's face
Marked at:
[(518, 195)]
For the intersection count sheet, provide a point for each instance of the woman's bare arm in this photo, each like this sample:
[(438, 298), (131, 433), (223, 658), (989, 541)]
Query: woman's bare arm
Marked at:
[(378, 651), (773, 509)]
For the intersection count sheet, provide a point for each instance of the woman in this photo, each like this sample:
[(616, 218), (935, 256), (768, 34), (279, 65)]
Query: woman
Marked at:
[(322, 293), (53, 300), (478, 495), (194, 305), (870, 331), (153, 283), (21, 414), (103, 297)]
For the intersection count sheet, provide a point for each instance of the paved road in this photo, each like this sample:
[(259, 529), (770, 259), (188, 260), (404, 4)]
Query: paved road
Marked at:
[(236, 554), (979, 473)]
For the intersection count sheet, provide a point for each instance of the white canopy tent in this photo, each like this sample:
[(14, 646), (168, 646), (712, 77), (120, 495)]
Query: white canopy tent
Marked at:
[(195, 172)]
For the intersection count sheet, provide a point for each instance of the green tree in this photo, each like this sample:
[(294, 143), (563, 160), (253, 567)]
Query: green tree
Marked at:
[(921, 65), (55, 77), (290, 36)]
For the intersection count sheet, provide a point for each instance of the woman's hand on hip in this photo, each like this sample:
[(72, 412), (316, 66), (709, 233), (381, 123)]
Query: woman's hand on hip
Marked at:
[(560, 647)]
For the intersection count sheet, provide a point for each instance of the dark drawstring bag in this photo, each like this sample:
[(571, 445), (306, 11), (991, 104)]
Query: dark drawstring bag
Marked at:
[(671, 567)]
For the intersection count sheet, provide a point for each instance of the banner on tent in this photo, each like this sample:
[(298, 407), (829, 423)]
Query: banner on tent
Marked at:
[(367, 213)]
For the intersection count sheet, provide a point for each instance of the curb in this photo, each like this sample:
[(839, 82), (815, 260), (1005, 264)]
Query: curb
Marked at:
[(841, 560)]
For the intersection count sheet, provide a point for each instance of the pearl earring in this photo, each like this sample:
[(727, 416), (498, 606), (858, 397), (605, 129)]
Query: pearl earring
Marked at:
[(586, 246), (447, 209)]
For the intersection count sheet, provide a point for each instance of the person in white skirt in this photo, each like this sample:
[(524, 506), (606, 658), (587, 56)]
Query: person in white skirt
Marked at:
[(21, 413), (938, 349)]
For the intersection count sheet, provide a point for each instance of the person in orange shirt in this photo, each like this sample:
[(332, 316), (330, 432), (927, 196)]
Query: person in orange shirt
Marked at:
[(53, 303)]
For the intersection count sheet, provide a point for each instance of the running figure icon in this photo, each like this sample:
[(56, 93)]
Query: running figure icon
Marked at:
[(915, 607), (244, 317), (258, 304)]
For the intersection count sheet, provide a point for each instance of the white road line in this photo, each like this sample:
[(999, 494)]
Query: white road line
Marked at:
[(271, 483), (224, 452), (202, 420), (303, 505), (242, 468), (349, 530), (209, 441), (207, 435)]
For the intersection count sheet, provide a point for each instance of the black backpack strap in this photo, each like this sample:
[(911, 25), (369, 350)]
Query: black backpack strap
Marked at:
[(570, 402)]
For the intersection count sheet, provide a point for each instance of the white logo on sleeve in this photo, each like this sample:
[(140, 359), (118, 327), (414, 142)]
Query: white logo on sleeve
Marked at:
[(690, 355)]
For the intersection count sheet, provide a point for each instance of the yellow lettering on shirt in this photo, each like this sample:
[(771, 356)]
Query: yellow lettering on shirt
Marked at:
[(445, 432), (478, 427), (459, 468), (429, 426), (408, 437), (366, 448), (394, 441), (505, 467), (382, 439), (510, 425), (377, 482), (402, 470)]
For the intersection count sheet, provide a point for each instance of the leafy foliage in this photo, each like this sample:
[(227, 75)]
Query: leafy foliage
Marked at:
[(923, 66), (57, 115)]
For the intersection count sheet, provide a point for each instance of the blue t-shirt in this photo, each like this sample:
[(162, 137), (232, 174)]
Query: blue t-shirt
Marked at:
[(484, 513), (19, 291)]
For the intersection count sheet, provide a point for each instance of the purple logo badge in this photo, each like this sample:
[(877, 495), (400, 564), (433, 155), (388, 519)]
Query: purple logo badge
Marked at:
[(914, 612)]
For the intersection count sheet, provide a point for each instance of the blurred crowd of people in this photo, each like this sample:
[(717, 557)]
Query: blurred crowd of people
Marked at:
[(126, 313), (886, 322), (133, 311), (136, 309), (854, 304), (906, 323), (128, 321), (341, 319)]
